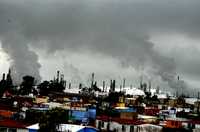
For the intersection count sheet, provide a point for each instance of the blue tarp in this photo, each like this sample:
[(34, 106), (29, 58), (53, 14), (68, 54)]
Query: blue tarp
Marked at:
[(32, 130), (88, 130), (126, 110), (92, 113), (80, 115)]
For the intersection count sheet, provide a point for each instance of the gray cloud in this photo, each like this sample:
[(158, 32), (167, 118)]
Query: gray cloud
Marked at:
[(120, 29)]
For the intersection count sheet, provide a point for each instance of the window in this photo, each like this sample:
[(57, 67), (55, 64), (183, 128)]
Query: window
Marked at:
[(176, 123), (108, 126), (3, 129), (99, 125), (12, 130), (131, 128), (102, 124), (123, 128)]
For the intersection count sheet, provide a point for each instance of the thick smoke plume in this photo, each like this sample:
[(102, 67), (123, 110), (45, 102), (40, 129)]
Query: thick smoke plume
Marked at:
[(23, 61)]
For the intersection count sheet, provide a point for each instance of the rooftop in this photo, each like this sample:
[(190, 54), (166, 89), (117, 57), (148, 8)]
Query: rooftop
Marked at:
[(12, 124)]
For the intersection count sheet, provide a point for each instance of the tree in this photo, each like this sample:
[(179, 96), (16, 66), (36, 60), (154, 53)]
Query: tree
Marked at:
[(49, 121), (181, 101), (139, 100), (26, 86), (155, 99), (3, 87), (44, 88), (56, 86)]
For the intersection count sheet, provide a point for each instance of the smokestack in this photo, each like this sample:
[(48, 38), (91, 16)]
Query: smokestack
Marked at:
[(157, 89), (141, 83), (9, 71), (3, 76), (64, 83), (120, 88), (70, 85), (54, 79), (113, 85), (80, 86), (92, 81), (149, 86), (124, 83), (58, 76), (62, 77), (103, 86)]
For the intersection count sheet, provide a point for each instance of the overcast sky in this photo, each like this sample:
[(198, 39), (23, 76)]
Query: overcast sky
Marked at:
[(115, 39)]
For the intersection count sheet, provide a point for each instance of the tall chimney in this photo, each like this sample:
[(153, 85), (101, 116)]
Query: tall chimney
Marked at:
[(113, 85), (58, 76), (95, 83), (103, 86), (9, 71), (80, 86), (70, 85), (149, 86), (92, 81), (4, 76), (62, 77), (141, 82), (64, 83), (124, 83)]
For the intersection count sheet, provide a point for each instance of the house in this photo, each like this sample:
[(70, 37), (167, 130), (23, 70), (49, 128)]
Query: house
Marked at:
[(148, 119), (197, 106), (76, 128), (65, 128), (12, 126), (176, 123), (151, 111), (40, 100), (105, 123), (33, 128), (149, 128)]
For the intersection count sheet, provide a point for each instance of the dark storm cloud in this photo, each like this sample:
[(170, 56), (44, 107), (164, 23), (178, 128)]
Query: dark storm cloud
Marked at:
[(120, 29)]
